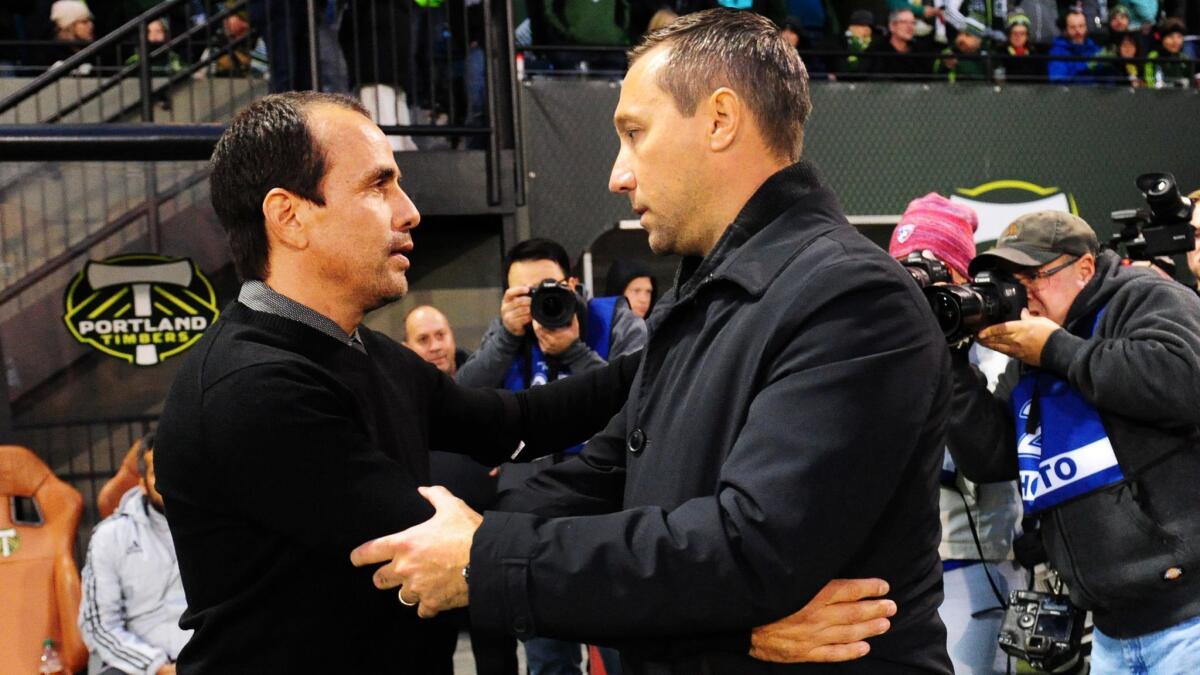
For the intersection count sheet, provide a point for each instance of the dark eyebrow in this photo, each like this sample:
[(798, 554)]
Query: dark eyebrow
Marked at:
[(380, 176)]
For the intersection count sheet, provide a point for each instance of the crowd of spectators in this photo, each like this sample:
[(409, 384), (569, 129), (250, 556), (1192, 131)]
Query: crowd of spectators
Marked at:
[(911, 39), (426, 55)]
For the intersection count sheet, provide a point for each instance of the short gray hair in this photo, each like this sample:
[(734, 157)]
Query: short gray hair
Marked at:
[(745, 52)]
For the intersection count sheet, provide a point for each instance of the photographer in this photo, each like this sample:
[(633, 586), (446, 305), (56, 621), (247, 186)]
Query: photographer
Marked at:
[(978, 520), (1193, 256), (517, 352), (516, 348), (1097, 418)]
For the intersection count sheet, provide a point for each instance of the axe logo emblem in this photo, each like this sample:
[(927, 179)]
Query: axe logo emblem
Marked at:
[(10, 542), (140, 308)]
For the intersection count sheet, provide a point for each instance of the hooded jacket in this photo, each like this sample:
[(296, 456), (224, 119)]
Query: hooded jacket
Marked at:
[(132, 593), (1115, 546)]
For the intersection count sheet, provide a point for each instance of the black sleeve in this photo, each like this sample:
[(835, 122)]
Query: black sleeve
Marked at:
[(592, 482), (489, 423), (980, 432)]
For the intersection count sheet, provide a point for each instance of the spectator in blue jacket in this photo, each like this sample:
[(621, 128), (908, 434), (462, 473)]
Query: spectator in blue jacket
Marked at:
[(1075, 42)]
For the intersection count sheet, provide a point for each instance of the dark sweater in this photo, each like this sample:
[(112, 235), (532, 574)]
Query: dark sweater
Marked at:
[(1140, 370), (280, 450)]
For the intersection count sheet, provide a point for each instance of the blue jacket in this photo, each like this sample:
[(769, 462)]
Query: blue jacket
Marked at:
[(1074, 72)]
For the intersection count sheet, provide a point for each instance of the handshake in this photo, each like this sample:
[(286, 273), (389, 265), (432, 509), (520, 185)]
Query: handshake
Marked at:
[(430, 564)]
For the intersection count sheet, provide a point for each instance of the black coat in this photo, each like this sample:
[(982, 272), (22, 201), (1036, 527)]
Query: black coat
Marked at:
[(784, 429)]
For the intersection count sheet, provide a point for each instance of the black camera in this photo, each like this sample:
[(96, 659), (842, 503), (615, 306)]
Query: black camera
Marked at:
[(553, 304), (965, 309), (1044, 629), (1162, 229), (925, 269)]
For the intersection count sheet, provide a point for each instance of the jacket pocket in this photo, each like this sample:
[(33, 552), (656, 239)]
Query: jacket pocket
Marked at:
[(1111, 551)]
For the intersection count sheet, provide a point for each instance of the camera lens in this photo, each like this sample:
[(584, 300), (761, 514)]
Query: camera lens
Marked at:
[(948, 314), (552, 305)]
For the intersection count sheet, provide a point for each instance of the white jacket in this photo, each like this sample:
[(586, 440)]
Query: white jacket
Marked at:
[(132, 594)]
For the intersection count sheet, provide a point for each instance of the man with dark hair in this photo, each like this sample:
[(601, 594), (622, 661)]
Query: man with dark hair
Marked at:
[(292, 432), (507, 353), (1074, 42), (785, 426), (517, 353), (132, 596)]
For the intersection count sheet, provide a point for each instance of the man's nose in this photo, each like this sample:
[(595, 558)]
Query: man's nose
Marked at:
[(405, 215), (621, 179)]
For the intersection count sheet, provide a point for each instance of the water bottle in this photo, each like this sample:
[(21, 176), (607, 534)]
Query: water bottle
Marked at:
[(50, 663)]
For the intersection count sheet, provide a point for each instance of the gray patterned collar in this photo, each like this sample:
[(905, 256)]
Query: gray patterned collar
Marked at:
[(262, 298)]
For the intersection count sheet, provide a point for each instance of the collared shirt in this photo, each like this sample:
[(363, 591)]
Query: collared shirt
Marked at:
[(262, 298)]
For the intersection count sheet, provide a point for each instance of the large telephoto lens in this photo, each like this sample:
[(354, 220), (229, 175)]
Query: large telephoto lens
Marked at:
[(965, 309)]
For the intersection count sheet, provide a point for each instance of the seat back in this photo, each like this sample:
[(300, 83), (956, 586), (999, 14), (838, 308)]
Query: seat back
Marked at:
[(127, 477), (39, 515)]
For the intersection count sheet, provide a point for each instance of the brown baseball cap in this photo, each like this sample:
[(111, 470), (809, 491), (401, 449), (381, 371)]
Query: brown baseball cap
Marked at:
[(1035, 239)]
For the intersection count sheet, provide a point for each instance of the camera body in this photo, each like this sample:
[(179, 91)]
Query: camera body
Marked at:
[(553, 304), (1164, 228), (965, 309), (1044, 629), (926, 269)]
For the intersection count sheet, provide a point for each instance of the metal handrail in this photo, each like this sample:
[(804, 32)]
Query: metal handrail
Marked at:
[(181, 76), (65, 67), (29, 279)]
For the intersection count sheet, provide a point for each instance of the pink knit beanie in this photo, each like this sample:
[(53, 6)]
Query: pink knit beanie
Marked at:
[(937, 224)]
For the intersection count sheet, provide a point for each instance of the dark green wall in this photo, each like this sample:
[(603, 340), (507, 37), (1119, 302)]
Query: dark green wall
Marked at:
[(882, 144)]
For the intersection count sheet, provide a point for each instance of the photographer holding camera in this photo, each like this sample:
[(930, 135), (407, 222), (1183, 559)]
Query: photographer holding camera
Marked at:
[(518, 352), (1096, 417), (935, 240)]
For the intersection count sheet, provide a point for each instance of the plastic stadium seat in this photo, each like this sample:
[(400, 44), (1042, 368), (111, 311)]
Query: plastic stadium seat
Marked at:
[(127, 477), (39, 515)]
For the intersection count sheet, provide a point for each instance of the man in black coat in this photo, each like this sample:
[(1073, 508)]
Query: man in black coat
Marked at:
[(785, 426)]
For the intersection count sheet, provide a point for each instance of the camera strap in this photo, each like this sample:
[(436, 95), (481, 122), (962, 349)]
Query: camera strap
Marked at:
[(979, 547)]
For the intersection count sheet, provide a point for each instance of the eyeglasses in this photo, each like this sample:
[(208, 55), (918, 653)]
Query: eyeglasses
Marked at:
[(1034, 277)]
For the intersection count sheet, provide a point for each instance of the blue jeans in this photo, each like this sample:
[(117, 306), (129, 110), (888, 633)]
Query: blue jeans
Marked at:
[(553, 657), (1170, 651)]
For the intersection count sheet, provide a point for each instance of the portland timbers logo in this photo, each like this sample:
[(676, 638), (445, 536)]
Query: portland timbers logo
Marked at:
[(1000, 202), (140, 308), (10, 542)]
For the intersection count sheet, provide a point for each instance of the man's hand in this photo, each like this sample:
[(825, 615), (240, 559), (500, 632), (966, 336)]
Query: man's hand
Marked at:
[(514, 310), (427, 560), (166, 669), (555, 341), (1023, 340), (833, 626)]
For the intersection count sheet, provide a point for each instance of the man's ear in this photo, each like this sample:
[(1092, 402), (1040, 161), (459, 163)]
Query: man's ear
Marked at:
[(1087, 268), (727, 113), (283, 217)]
